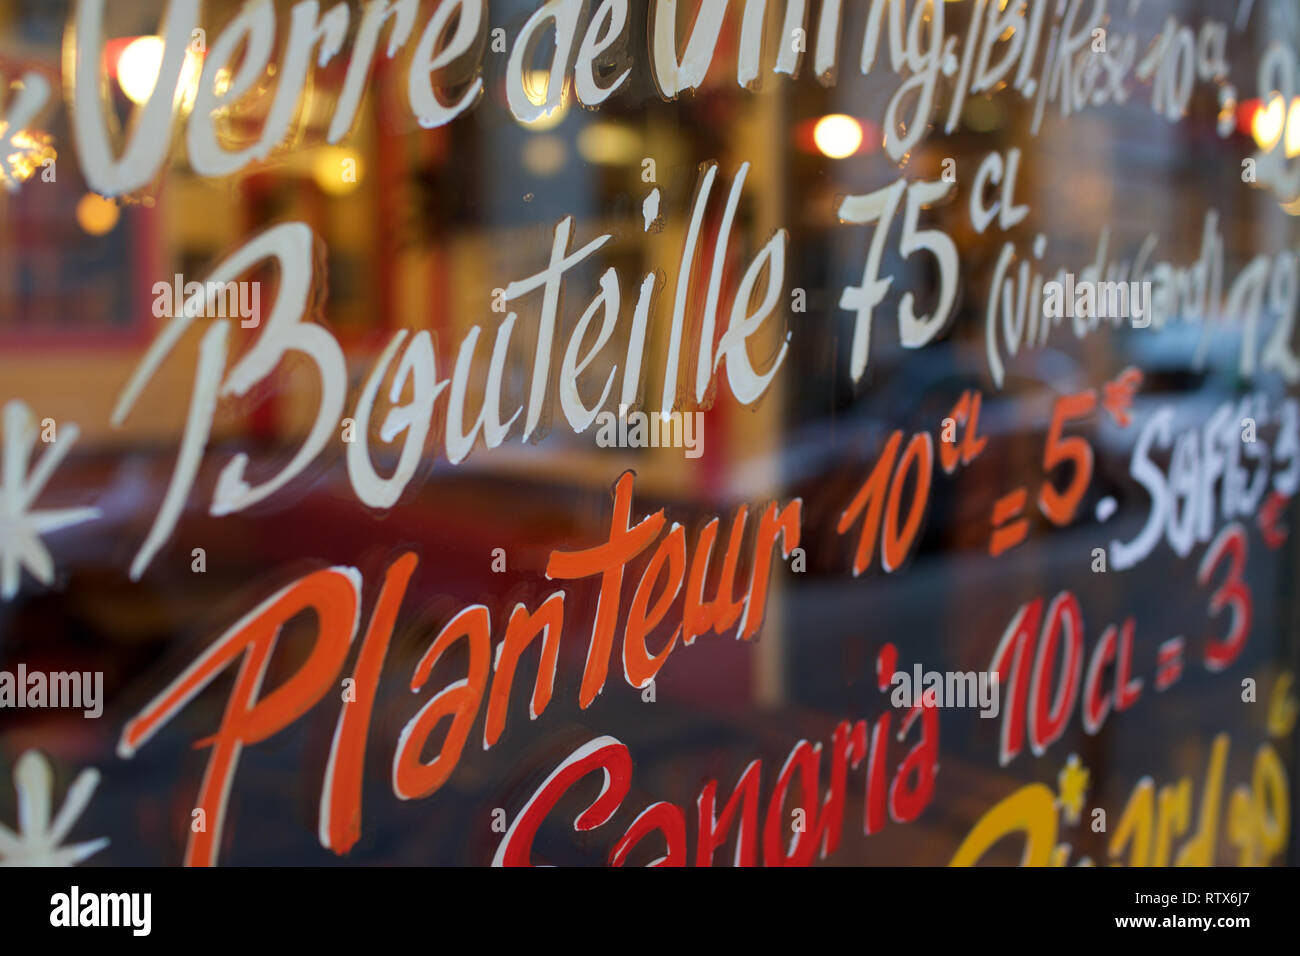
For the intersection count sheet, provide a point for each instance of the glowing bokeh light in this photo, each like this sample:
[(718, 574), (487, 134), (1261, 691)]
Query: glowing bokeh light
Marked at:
[(609, 144), (337, 170), (138, 66), (1267, 124), (96, 215), (1292, 136), (536, 87), (837, 135)]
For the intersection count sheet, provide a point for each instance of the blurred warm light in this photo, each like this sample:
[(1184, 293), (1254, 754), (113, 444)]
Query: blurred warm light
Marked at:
[(138, 65), (536, 86), (34, 149), (545, 155), (1267, 124), (221, 82), (1293, 129), (336, 169), (1246, 111), (804, 136), (610, 144), (837, 135), (96, 215)]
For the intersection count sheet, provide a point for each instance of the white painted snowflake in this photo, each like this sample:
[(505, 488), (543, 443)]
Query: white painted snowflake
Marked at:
[(38, 839), (21, 527)]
